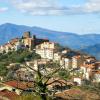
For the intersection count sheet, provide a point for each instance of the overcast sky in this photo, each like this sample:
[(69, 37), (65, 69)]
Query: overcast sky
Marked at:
[(78, 16)]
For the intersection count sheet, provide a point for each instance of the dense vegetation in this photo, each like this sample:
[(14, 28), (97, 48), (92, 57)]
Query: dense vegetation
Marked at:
[(64, 74), (15, 57), (30, 97)]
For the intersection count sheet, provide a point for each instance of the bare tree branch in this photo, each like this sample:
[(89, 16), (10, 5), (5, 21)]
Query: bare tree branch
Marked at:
[(55, 82), (31, 68), (51, 74)]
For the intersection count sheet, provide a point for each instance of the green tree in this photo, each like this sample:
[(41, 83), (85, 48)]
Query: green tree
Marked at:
[(15, 57), (64, 74), (3, 69)]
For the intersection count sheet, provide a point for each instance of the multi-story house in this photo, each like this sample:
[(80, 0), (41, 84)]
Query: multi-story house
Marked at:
[(66, 63), (45, 53), (74, 62), (77, 61), (57, 56), (46, 50), (87, 67), (49, 45), (96, 72), (86, 72)]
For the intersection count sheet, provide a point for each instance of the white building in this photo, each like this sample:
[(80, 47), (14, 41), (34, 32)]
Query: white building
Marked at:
[(57, 56), (74, 62), (66, 63), (46, 50), (78, 80), (96, 77), (77, 61), (86, 72), (65, 51), (45, 53), (49, 45)]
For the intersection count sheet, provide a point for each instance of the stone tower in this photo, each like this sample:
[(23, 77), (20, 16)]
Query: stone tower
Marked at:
[(27, 35)]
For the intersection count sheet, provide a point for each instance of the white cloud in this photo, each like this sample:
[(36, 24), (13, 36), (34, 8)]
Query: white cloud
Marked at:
[(92, 6), (3, 9), (51, 7), (39, 7)]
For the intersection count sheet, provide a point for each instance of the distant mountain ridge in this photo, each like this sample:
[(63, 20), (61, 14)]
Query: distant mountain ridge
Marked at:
[(72, 40), (93, 50)]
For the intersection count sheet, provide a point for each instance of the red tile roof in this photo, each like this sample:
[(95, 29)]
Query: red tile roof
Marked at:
[(20, 85), (8, 94), (67, 93)]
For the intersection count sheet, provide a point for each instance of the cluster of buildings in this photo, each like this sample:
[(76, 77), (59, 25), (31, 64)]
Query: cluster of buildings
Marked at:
[(81, 66), (26, 41), (85, 66)]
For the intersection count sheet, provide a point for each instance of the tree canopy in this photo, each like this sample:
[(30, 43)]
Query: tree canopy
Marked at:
[(15, 57)]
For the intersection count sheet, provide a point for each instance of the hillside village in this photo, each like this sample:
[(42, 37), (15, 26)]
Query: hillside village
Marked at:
[(82, 68)]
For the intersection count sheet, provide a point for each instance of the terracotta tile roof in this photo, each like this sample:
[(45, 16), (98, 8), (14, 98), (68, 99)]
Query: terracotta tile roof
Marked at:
[(78, 94), (68, 93), (59, 82), (13, 41), (96, 71), (20, 85), (8, 94)]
